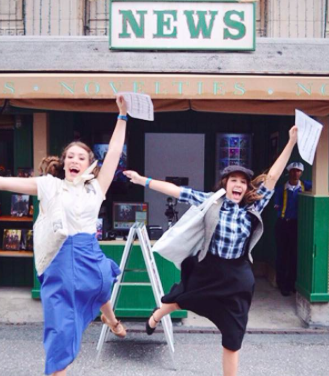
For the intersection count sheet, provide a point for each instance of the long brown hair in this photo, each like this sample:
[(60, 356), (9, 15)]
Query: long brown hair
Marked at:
[(54, 165), (252, 186)]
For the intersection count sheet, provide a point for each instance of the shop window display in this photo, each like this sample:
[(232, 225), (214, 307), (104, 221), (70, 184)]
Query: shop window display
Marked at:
[(232, 149)]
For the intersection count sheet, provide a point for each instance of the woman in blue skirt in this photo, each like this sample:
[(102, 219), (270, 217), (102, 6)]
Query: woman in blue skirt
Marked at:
[(218, 282), (75, 284)]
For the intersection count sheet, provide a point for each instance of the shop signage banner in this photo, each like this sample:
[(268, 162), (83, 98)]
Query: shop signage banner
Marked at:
[(182, 25), (161, 86)]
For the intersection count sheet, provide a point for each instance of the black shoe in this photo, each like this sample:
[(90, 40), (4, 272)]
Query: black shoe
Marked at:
[(285, 292), (148, 329)]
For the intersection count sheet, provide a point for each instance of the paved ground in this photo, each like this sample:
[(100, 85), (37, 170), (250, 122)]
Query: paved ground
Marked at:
[(196, 354), (302, 352)]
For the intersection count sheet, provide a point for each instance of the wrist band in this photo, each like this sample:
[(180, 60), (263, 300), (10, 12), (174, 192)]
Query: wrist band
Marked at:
[(147, 183), (123, 117)]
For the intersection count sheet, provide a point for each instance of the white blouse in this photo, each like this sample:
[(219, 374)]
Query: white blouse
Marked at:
[(81, 202)]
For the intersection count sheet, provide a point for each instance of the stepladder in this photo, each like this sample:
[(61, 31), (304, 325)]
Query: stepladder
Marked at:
[(138, 232)]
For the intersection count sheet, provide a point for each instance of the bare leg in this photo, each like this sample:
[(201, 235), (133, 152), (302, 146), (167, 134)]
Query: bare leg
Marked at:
[(108, 312), (230, 362), (60, 373), (110, 320), (159, 313)]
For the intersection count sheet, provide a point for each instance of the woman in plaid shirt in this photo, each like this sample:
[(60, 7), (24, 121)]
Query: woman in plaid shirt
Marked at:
[(218, 283)]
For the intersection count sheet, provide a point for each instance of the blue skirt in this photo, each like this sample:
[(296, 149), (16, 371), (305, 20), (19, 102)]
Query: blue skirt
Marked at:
[(73, 288)]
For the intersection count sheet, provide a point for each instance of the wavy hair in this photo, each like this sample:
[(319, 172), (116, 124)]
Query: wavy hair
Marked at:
[(54, 165), (252, 186)]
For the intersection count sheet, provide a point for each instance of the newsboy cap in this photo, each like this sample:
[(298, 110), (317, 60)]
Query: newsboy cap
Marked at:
[(297, 165), (230, 169)]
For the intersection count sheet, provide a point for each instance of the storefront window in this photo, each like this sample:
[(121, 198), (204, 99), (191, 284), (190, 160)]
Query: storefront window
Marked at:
[(232, 149)]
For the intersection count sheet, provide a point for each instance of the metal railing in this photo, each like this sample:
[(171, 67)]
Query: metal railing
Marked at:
[(275, 18)]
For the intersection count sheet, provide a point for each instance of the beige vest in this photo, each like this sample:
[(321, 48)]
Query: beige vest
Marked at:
[(211, 221)]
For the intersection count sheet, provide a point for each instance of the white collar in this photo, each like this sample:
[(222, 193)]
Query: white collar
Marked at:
[(291, 187), (87, 175)]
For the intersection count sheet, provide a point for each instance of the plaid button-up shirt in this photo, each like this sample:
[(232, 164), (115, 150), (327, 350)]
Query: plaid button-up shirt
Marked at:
[(234, 226)]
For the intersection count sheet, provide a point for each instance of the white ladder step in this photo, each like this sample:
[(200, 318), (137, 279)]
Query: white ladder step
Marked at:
[(135, 284)]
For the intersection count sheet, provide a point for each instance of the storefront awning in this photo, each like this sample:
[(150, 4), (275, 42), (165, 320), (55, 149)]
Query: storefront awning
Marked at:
[(174, 92), (314, 108), (163, 86)]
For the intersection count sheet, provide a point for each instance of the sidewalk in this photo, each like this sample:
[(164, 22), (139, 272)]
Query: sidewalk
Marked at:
[(270, 312)]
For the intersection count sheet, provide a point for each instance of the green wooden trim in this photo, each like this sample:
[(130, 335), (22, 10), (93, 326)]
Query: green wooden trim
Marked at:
[(312, 297), (35, 293), (110, 24), (183, 49), (324, 297), (143, 313), (254, 27), (180, 49), (313, 247)]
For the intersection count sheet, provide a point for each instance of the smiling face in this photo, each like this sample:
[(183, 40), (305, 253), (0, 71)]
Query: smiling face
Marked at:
[(236, 187), (76, 161)]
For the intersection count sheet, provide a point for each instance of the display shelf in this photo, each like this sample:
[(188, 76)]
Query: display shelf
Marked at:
[(9, 218), (4, 253)]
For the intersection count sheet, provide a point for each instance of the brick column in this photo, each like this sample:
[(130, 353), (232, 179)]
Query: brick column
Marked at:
[(40, 139)]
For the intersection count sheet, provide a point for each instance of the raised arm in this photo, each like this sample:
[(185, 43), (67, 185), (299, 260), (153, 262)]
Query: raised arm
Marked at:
[(113, 155), (157, 185), (25, 186), (280, 164)]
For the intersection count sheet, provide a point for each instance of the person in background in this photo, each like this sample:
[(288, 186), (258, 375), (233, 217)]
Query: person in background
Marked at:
[(77, 282), (218, 282), (286, 227)]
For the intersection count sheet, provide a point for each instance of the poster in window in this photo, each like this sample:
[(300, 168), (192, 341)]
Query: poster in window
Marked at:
[(232, 149), (19, 205), (12, 239), (27, 240)]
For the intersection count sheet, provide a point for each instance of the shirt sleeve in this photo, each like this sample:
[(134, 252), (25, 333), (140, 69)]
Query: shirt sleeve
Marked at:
[(47, 187), (267, 194), (278, 196), (308, 185), (192, 197)]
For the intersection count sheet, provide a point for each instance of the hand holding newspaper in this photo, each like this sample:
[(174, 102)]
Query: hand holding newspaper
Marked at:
[(308, 136), (139, 106)]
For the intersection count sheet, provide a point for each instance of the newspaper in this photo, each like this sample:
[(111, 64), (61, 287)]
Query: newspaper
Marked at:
[(139, 106), (308, 136)]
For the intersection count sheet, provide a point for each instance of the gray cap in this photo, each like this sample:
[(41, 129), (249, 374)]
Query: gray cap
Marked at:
[(229, 169)]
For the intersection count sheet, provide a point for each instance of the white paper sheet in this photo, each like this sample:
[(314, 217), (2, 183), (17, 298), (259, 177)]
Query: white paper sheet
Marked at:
[(139, 105), (308, 135)]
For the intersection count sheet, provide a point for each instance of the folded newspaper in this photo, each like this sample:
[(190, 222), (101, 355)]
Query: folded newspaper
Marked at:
[(309, 132), (139, 105)]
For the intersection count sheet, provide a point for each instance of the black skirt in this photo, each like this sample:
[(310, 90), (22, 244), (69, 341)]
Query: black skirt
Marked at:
[(218, 289)]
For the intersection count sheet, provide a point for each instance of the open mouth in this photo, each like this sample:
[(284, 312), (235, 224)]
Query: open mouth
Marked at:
[(237, 194), (74, 171)]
